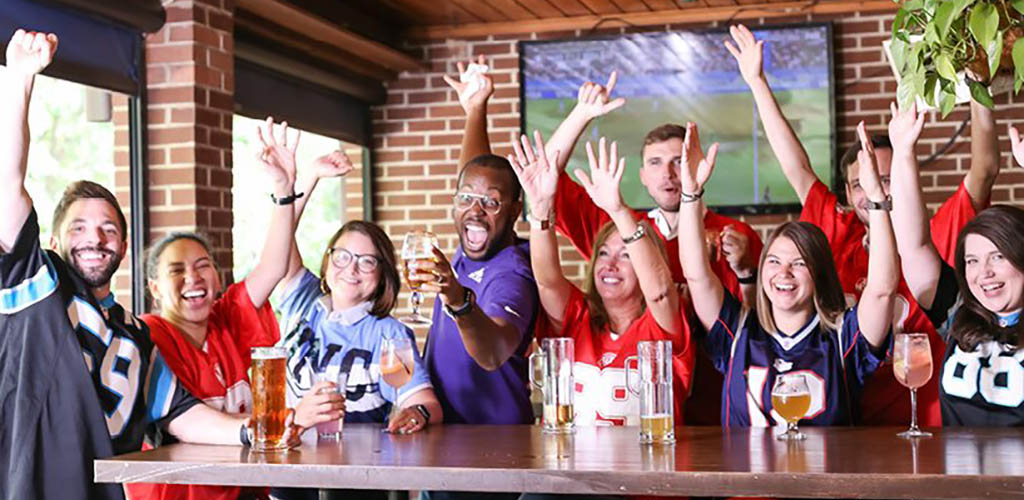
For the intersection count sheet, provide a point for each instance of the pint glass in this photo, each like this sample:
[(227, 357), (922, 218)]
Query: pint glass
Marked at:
[(331, 431), (269, 410), (556, 383), (654, 386)]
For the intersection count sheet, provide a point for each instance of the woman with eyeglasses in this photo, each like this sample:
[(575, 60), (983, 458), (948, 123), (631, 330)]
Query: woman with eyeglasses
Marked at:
[(336, 320)]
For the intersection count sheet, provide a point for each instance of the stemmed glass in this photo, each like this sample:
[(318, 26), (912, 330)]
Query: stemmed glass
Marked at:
[(791, 399), (417, 246), (912, 367), (396, 364)]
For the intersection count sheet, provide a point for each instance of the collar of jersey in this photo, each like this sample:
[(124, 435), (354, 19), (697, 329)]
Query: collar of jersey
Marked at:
[(108, 301), (788, 343), (346, 317), (1010, 319), (660, 222)]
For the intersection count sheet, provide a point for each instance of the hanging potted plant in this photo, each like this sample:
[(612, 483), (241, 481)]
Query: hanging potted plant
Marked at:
[(938, 44)]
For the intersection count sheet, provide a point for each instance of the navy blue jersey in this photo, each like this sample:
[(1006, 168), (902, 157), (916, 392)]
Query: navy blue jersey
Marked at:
[(134, 387), (983, 387), (836, 365)]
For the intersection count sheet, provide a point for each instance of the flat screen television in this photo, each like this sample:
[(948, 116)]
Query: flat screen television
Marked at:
[(680, 76)]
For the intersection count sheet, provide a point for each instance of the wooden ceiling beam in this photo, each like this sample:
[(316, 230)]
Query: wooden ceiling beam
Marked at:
[(298, 20), (663, 17)]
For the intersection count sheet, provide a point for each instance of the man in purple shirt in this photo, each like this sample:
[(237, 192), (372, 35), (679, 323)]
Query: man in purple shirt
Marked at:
[(487, 303)]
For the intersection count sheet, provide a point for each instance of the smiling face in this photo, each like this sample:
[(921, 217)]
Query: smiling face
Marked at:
[(483, 231), (855, 193), (349, 284), (992, 279), (786, 279), (660, 172), (614, 277), (91, 240), (186, 284)]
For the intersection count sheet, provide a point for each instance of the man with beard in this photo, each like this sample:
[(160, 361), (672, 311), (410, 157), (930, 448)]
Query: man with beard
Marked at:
[(78, 374)]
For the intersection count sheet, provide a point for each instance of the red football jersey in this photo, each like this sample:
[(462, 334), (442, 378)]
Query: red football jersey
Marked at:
[(217, 373), (602, 397), (579, 220), (884, 400)]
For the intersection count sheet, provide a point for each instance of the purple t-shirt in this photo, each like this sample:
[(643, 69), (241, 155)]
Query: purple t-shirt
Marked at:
[(505, 289)]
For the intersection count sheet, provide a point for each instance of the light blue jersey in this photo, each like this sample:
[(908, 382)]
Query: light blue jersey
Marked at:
[(348, 341)]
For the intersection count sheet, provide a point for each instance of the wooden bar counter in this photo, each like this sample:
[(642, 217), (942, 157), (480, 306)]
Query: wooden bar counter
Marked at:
[(838, 462)]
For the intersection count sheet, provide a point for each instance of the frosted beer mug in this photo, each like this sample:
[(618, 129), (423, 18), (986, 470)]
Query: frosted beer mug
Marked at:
[(269, 410), (654, 386), (556, 383)]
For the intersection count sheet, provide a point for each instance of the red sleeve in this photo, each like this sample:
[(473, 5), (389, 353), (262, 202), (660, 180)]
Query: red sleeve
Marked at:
[(172, 346), (949, 219), (576, 215), (820, 210), (248, 326), (575, 316)]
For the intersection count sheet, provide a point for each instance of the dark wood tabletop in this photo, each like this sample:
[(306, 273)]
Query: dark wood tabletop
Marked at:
[(836, 462)]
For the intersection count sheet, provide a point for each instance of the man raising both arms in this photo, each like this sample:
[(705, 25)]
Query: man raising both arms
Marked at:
[(884, 401), (57, 424)]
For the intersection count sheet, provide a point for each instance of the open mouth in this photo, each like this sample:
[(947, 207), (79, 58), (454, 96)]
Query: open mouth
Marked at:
[(992, 289), (783, 287), (194, 297), (92, 256), (474, 235)]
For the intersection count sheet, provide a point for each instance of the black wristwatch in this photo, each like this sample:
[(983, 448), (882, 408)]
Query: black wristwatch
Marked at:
[(748, 280), (465, 308), (885, 204), (286, 200), (423, 411)]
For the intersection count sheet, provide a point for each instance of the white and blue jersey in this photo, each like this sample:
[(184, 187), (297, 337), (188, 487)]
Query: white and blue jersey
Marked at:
[(319, 339), (836, 365)]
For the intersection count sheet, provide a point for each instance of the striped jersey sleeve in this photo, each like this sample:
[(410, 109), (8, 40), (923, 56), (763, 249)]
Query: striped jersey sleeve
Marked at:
[(26, 274)]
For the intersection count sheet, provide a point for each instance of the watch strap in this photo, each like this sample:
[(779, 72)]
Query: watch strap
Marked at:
[(885, 204)]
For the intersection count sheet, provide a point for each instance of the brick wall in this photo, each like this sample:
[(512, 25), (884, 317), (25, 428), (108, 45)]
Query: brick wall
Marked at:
[(417, 133)]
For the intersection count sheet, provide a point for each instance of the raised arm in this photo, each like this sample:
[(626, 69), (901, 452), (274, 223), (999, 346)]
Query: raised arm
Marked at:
[(473, 97), (278, 160), (984, 156), (538, 174), (28, 53), (784, 142), (602, 184), (920, 261), (592, 100), (874, 311), (335, 164), (706, 292)]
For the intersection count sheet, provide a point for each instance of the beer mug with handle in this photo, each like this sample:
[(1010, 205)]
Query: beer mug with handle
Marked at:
[(654, 386), (556, 383)]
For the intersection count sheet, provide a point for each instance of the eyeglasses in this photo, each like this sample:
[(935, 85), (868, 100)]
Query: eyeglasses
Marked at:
[(465, 201), (364, 263)]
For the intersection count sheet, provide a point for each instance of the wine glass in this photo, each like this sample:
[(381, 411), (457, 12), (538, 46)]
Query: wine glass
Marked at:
[(791, 399), (417, 246), (396, 365), (912, 367)]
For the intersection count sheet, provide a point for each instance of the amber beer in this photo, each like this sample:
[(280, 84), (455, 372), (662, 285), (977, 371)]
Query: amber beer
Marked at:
[(559, 415), (555, 359), (412, 267), (791, 407), (269, 410), (656, 428), (653, 384)]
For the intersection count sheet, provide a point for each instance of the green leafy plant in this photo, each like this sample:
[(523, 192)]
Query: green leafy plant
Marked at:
[(935, 40)]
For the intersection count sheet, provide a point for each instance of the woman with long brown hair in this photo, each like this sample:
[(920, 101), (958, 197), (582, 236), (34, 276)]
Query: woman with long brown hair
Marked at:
[(801, 324)]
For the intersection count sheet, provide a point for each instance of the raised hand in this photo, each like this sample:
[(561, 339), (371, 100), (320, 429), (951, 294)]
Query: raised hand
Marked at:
[(474, 100), (747, 51), (1017, 146), (29, 52), (736, 249), (277, 156), (605, 175), (594, 100), (537, 173), (905, 127), (696, 166), (869, 180), (334, 164)]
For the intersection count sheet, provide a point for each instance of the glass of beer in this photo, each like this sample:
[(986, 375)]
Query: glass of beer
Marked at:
[(331, 431), (417, 246), (654, 386), (912, 367), (269, 410), (556, 357), (791, 399)]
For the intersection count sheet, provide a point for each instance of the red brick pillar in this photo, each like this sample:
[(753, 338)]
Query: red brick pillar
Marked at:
[(190, 87)]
